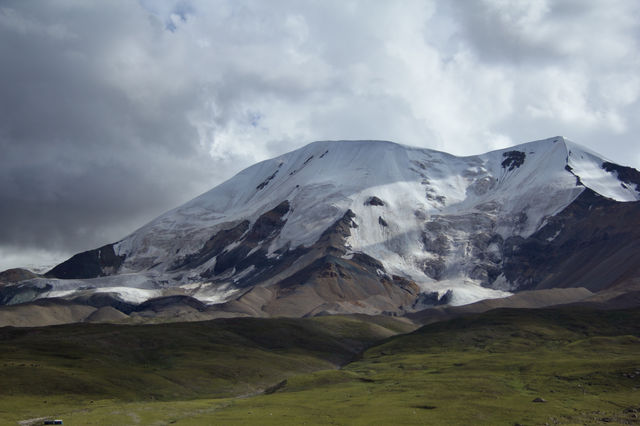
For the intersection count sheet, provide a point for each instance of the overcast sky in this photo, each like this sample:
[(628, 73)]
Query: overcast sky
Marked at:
[(112, 112)]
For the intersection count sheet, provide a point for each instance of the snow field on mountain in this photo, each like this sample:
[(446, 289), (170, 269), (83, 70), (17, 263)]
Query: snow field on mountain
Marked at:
[(588, 165), (321, 181)]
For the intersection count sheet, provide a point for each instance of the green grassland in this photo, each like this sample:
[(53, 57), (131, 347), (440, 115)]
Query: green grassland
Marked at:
[(75, 364), (480, 369)]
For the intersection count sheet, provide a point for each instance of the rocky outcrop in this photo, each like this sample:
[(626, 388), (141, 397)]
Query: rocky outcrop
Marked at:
[(593, 243), (89, 264), (214, 246), (627, 175), (466, 243), (374, 201), (265, 182), (513, 159)]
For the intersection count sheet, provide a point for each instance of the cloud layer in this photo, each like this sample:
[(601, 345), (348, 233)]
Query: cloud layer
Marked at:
[(113, 111)]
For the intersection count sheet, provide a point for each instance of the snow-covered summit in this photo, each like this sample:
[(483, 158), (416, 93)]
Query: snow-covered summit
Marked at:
[(382, 212), (324, 179)]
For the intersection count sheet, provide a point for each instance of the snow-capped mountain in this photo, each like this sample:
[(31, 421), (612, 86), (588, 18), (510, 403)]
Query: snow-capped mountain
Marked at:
[(354, 226)]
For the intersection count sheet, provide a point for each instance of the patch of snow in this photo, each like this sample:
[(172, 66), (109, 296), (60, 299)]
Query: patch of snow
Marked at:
[(554, 236), (130, 294), (588, 166), (465, 291), (212, 294), (192, 286), (58, 293), (237, 277)]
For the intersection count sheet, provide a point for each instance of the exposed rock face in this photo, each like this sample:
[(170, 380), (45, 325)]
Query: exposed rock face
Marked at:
[(214, 246), (627, 175), (244, 247), (513, 159), (425, 300), (249, 252), (89, 264), (264, 183), (434, 240), (464, 243), (593, 243), (333, 239), (374, 201)]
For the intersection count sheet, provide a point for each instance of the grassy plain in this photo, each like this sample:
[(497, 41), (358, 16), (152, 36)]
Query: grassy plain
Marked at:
[(480, 369)]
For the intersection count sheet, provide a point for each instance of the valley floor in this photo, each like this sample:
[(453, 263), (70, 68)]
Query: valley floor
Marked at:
[(583, 365)]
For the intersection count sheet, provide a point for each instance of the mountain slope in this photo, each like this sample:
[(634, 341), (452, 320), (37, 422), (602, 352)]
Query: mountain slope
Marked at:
[(353, 226)]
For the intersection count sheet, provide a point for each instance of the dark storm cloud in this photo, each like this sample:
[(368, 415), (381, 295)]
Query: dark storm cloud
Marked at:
[(83, 159), (112, 111)]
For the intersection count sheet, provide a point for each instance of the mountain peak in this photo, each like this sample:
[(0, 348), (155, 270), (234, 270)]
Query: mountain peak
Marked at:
[(353, 226)]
